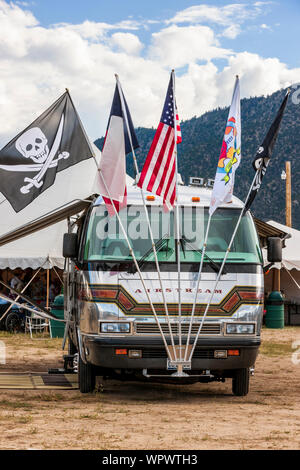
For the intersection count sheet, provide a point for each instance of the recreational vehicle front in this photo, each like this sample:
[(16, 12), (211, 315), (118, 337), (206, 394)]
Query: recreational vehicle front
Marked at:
[(129, 320)]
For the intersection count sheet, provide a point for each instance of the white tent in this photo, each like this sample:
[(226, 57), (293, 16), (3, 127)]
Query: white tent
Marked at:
[(291, 252), (44, 248), (290, 266)]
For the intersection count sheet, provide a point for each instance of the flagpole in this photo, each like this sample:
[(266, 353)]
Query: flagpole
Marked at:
[(147, 217), (237, 115), (135, 262), (222, 266), (197, 286), (177, 222), (82, 128)]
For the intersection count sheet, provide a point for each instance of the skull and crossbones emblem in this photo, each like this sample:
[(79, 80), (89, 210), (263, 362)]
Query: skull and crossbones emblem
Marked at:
[(33, 146)]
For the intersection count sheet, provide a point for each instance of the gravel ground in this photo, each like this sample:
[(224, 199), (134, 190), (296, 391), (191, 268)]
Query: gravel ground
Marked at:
[(154, 416)]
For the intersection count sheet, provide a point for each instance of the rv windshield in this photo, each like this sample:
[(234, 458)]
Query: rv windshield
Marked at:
[(105, 241)]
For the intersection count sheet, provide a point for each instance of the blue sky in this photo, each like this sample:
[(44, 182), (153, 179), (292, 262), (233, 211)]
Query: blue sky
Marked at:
[(46, 46), (278, 39)]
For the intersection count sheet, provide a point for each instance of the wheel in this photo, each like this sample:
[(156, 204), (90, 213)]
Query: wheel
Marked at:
[(86, 377), (13, 323), (240, 382)]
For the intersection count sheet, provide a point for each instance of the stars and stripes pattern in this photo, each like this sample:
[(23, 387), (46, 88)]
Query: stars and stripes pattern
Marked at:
[(159, 172), (179, 138)]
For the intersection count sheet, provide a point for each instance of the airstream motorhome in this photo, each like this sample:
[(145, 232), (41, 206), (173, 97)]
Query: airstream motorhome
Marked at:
[(110, 323)]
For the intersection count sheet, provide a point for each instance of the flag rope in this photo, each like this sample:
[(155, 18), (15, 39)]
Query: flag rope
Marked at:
[(291, 275)]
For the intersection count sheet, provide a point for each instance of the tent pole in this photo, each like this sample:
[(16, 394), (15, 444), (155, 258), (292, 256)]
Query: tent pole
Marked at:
[(61, 281), (47, 294), (23, 290), (48, 281)]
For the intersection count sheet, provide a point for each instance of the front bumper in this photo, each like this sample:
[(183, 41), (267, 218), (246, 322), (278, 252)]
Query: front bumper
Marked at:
[(100, 351)]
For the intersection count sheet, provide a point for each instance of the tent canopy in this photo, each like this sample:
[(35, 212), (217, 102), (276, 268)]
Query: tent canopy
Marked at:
[(33, 237), (44, 247), (291, 252)]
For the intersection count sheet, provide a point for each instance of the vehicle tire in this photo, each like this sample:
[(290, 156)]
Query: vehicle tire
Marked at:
[(86, 377), (240, 382), (13, 323)]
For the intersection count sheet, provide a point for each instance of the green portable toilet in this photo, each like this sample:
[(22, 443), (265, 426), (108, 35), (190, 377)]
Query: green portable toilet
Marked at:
[(275, 310), (57, 328)]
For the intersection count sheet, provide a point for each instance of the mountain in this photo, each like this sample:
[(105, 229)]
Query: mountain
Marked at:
[(201, 143)]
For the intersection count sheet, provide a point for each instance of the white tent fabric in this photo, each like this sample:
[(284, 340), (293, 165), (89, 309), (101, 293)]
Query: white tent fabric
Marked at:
[(291, 252), (44, 248), (289, 268)]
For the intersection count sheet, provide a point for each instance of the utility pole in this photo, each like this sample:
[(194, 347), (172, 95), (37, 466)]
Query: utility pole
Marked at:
[(288, 195)]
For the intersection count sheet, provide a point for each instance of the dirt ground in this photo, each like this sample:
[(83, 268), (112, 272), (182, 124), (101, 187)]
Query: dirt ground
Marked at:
[(155, 416)]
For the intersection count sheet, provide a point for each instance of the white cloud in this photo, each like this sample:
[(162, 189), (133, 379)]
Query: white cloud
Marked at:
[(226, 15), (230, 16), (37, 63), (265, 26), (177, 46), (127, 42), (232, 31), (259, 76)]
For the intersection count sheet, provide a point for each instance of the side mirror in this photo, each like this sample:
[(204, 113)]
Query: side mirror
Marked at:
[(70, 245), (274, 250)]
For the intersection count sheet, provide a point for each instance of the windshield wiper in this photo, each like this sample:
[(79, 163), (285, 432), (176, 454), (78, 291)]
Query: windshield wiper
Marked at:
[(158, 246), (215, 266)]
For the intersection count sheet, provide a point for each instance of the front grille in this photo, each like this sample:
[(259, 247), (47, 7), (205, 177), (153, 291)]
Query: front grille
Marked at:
[(161, 353), (152, 328)]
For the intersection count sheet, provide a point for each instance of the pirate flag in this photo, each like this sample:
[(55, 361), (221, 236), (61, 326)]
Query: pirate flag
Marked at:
[(264, 153), (52, 143)]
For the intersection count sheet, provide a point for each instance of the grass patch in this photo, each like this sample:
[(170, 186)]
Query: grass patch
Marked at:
[(271, 349), (24, 419), (21, 340), (53, 397), (89, 417), (15, 404)]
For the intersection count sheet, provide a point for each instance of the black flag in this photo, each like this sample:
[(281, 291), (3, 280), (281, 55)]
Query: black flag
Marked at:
[(264, 153), (52, 143)]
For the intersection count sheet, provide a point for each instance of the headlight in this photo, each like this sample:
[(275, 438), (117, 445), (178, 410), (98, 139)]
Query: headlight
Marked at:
[(115, 327), (240, 329)]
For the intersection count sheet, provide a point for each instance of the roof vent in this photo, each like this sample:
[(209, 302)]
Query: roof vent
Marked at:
[(196, 181), (201, 182)]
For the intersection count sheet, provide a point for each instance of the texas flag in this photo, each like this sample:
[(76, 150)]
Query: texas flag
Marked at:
[(117, 144)]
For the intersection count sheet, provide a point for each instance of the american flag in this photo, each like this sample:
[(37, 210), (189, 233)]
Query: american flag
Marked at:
[(159, 172)]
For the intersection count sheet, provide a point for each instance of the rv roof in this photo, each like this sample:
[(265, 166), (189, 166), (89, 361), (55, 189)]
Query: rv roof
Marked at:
[(186, 193)]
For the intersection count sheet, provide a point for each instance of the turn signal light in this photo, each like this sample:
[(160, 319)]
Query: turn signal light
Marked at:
[(196, 199), (233, 352), (121, 352), (150, 198)]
